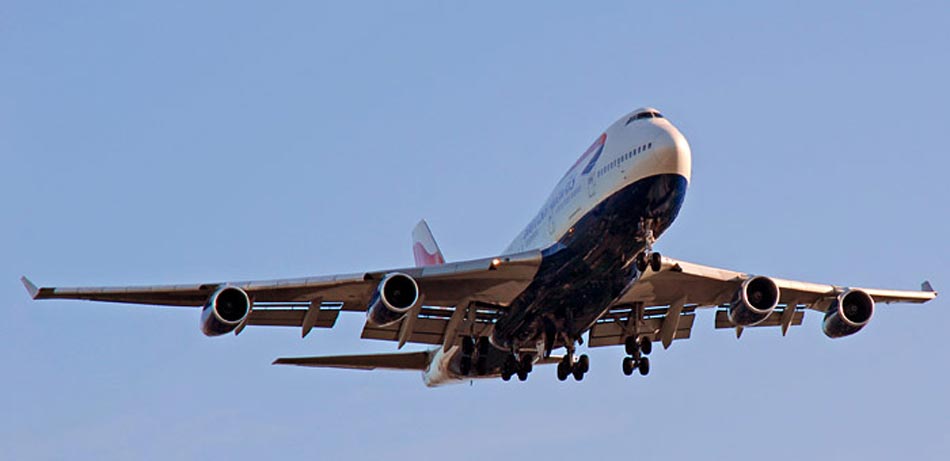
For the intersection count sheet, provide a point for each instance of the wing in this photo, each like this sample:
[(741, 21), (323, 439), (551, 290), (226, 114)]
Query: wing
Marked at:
[(662, 305), (316, 301)]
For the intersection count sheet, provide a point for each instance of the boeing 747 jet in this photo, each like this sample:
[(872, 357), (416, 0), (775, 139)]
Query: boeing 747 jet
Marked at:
[(584, 267)]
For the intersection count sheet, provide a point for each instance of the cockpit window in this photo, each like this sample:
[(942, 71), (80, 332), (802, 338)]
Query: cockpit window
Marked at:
[(643, 115)]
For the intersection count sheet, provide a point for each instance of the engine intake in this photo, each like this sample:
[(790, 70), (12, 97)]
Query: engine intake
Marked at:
[(851, 311), (755, 300), (396, 294), (224, 311)]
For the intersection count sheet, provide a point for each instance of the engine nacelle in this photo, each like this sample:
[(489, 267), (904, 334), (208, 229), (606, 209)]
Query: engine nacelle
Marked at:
[(755, 300), (224, 311), (851, 311), (396, 294)]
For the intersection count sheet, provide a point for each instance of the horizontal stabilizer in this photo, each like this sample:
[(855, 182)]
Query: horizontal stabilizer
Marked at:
[(398, 361)]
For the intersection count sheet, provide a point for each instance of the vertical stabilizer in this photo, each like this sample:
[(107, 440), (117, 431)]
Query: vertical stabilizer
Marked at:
[(424, 248)]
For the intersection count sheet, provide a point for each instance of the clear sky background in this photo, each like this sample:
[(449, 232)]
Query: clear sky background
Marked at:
[(174, 142)]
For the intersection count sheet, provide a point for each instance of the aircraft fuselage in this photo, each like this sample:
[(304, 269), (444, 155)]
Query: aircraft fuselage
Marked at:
[(622, 193)]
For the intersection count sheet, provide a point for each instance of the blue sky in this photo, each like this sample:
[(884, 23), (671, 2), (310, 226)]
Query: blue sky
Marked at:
[(173, 142)]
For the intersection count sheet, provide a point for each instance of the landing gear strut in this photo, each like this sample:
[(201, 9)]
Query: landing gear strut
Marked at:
[(465, 363), (480, 361), (648, 257), (637, 349)]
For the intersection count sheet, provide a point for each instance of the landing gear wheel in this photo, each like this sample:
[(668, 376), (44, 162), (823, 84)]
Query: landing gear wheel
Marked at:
[(468, 345), (646, 346), (628, 365), (526, 364), (505, 375), (644, 366), (642, 262), (522, 375), (465, 365), (630, 345), (583, 363), (563, 370), (578, 373), (656, 261)]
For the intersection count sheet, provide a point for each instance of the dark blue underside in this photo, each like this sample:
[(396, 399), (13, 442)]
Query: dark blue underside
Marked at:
[(588, 268)]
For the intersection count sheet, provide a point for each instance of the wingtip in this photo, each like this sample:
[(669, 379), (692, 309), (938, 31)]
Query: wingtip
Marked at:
[(926, 286), (31, 288)]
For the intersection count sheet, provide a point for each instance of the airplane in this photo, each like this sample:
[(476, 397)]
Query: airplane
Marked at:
[(585, 265)]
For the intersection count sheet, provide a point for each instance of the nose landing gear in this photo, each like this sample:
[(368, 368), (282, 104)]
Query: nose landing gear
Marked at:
[(652, 260), (648, 257)]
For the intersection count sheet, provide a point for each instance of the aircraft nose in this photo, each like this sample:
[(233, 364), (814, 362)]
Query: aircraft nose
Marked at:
[(671, 153)]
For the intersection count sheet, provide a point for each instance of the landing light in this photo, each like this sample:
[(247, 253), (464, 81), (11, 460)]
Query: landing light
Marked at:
[(496, 262)]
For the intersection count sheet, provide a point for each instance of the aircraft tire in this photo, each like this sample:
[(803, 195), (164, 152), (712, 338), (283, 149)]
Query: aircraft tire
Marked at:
[(583, 363), (628, 366), (646, 346), (630, 345), (642, 262), (656, 261)]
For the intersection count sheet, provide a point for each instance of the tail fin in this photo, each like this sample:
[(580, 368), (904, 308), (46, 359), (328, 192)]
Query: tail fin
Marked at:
[(424, 248)]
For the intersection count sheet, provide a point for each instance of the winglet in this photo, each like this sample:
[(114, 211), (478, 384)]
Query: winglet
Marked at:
[(926, 286), (30, 287)]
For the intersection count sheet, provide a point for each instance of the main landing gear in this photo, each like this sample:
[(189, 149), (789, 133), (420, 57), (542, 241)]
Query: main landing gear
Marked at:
[(568, 367), (637, 350), (514, 366)]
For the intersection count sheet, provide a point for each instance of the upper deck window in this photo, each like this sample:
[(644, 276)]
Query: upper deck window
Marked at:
[(642, 115)]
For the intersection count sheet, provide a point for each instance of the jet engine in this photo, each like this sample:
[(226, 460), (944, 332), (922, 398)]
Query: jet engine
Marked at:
[(755, 300), (396, 294), (851, 311), (224, 311)]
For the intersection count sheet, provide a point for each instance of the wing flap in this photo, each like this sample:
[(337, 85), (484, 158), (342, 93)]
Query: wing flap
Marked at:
[(773, 320), (613, 330), (291, 317), (432, 324)]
